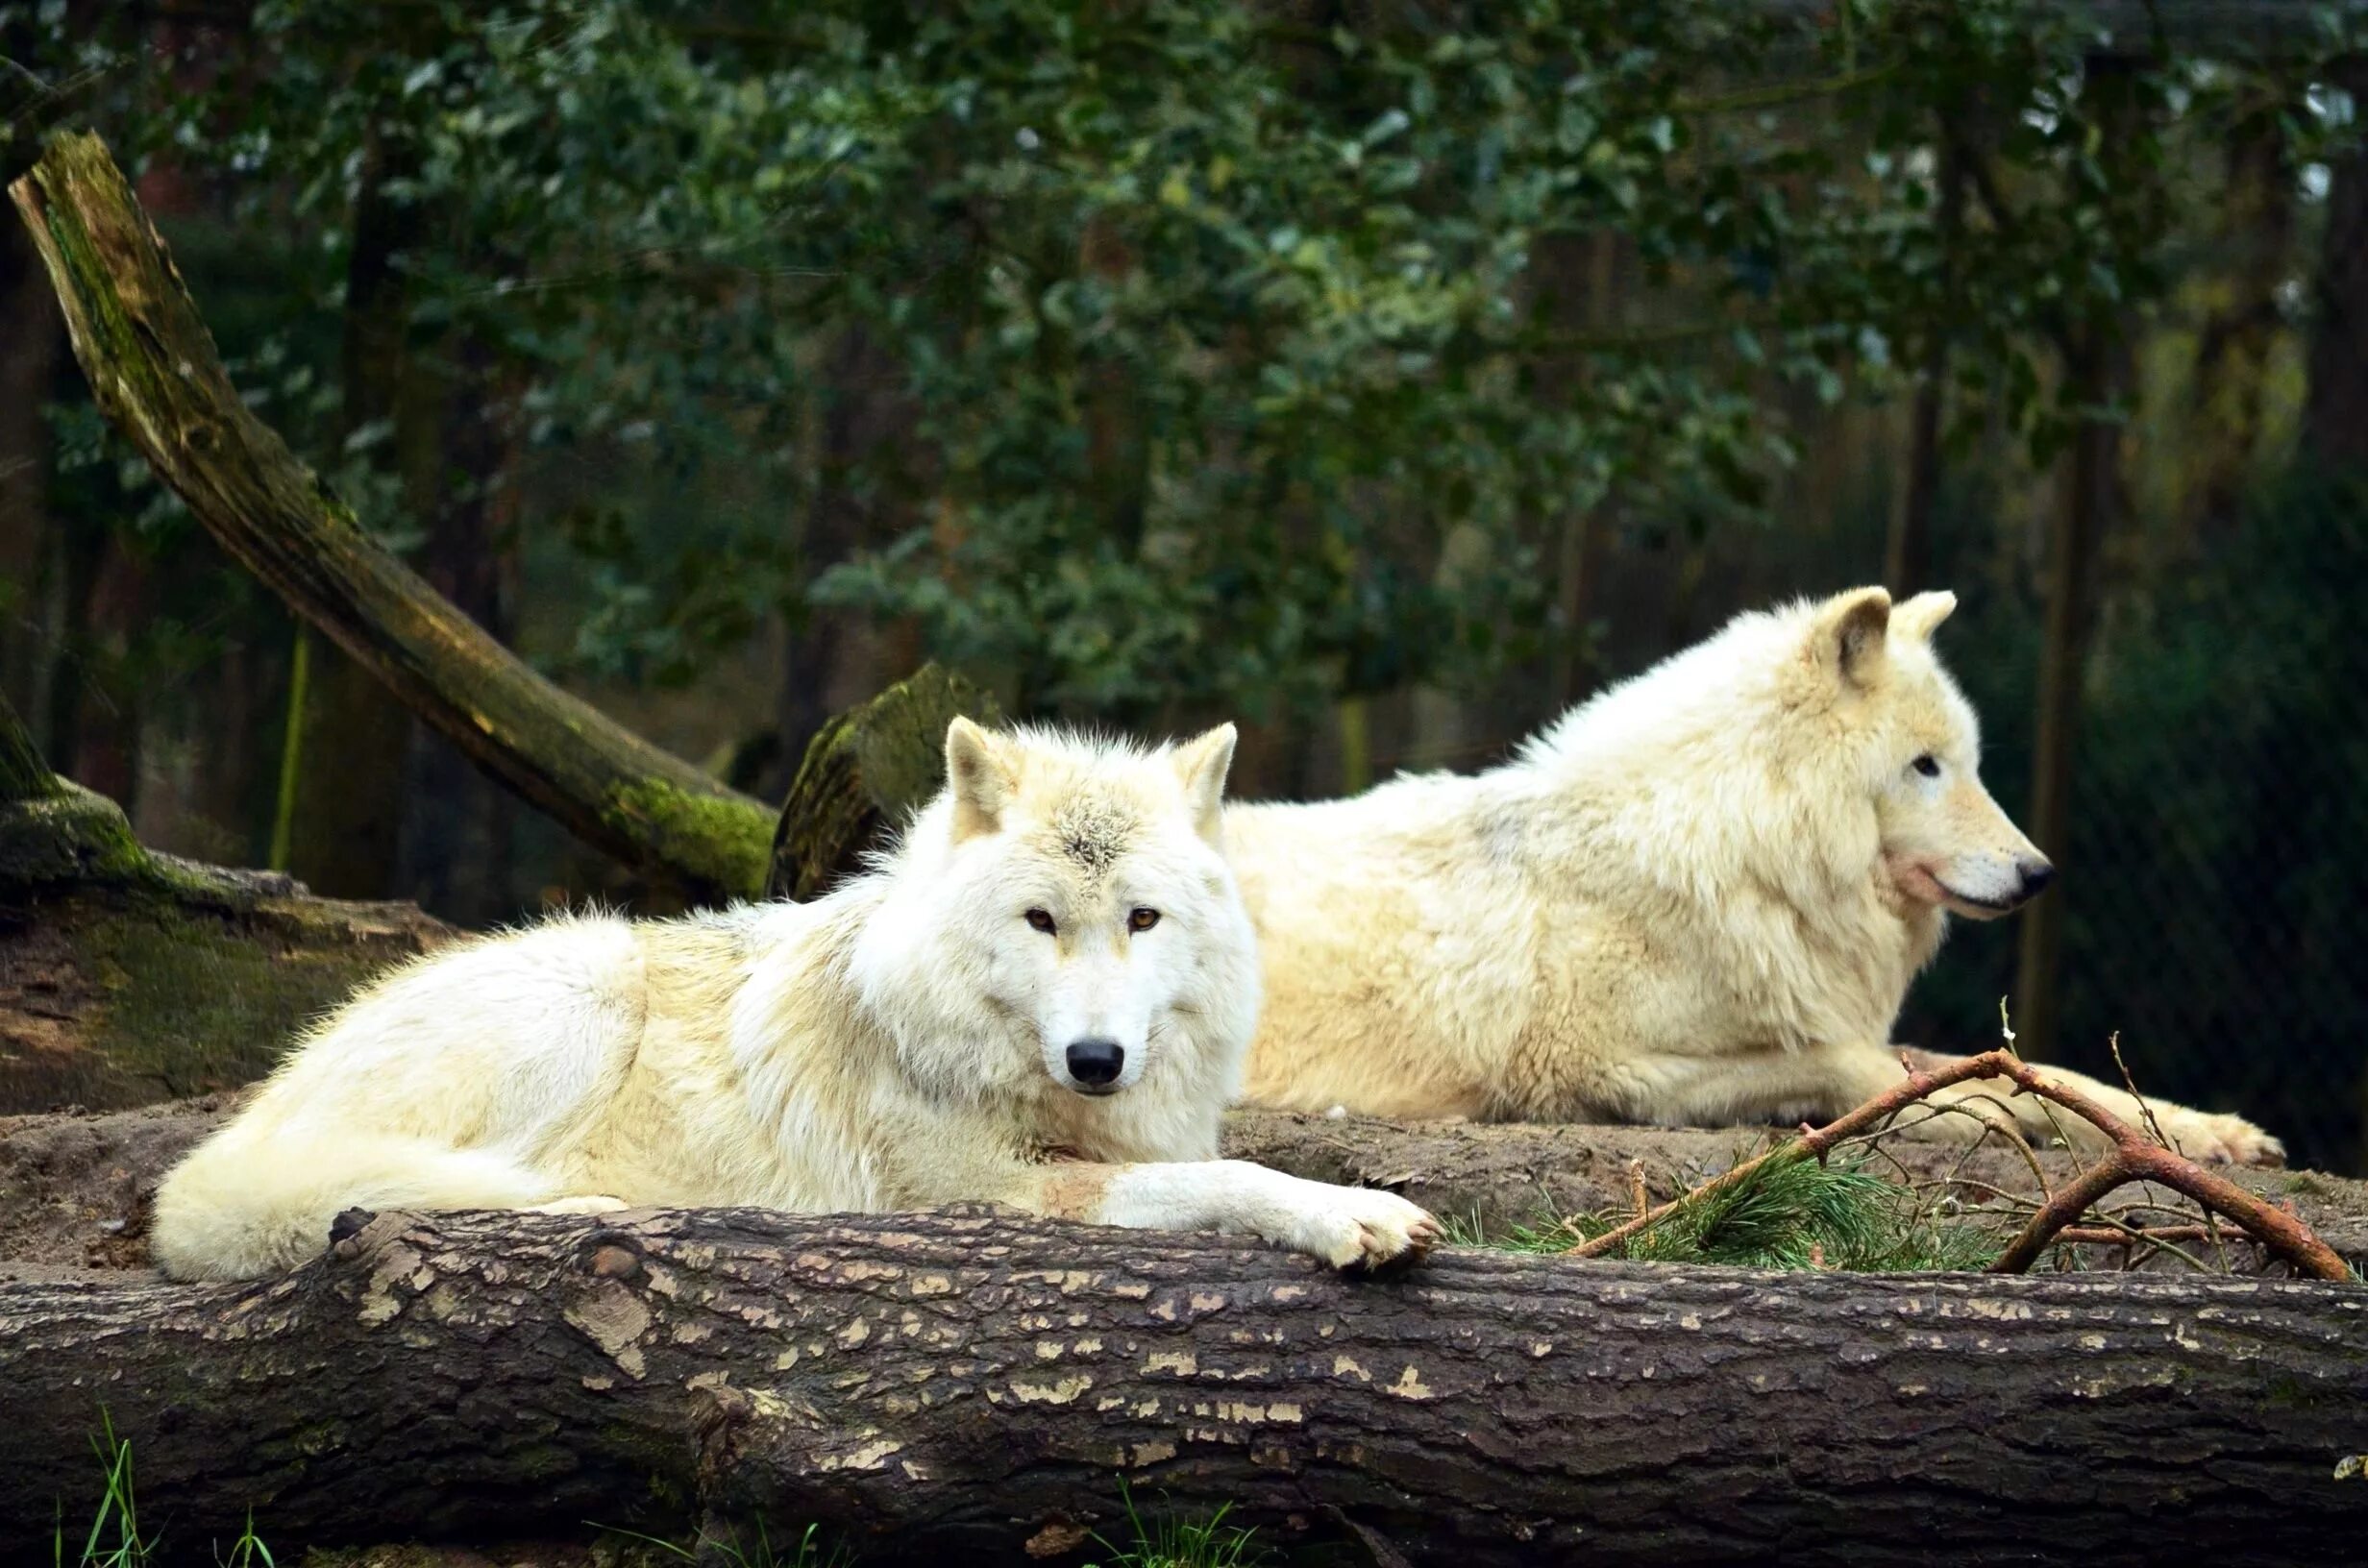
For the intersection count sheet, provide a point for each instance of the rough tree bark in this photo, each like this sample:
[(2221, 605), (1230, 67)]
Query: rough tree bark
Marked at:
[(155, 372), (863, 771), (127, 976), (952, 1386)]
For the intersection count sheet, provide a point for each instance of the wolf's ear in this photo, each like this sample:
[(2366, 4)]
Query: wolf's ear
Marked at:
[(982, 772), (1917, 617), (1849, 635), (1202, 763)]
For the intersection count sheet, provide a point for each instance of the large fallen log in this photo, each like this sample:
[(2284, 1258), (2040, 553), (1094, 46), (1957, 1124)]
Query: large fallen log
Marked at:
[(953, 1386)]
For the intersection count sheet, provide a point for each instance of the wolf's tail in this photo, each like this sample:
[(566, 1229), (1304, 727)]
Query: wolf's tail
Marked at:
[(248, 1203)]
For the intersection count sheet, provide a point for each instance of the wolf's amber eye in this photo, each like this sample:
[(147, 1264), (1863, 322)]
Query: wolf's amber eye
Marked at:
[(1040, 920), (1142, 920), (1928, 764)]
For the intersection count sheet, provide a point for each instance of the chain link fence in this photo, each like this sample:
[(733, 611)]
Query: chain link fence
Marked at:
[(2219, 833)]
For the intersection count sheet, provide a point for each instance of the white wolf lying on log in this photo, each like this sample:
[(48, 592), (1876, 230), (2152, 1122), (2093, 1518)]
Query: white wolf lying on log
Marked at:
[(1043, 996), (1698, 898)]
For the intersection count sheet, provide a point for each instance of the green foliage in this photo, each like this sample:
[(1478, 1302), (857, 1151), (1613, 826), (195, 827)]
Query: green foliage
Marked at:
[(1145, 357), (1171, 1542), (1789, 1215)]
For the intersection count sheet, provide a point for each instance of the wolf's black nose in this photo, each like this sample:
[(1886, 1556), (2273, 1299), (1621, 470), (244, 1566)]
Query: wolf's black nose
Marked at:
[(2037, 875), (1095, 1063)]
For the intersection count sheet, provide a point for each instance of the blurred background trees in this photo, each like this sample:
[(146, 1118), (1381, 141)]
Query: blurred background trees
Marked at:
[(1387, 376)]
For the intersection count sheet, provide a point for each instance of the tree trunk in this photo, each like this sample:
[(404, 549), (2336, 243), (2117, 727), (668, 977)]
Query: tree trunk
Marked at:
[(866, 430), (2336, 415), (29, 343), (345, 818), (1908, 547), (2074, 545), (2097, 364), (110, 997), (2232, 353), (156, 374), (1574, 276), (457, 832), (969, 1387), (345, 811), (866, 772), (101, 747)]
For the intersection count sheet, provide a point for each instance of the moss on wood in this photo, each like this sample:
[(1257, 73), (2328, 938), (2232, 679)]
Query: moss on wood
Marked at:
[(128, 976), (731, 837), (865, 771)]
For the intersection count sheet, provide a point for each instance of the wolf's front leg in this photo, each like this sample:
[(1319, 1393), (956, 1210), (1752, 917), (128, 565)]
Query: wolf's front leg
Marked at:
[(2199, 1135), (1342, 1225)]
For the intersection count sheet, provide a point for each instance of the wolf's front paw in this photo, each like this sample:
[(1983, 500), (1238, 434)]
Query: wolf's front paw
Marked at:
[(1363, 1227), (2222, 1140)]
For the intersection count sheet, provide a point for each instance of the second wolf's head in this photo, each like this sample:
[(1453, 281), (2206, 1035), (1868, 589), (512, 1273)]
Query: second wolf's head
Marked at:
[(1808, 752), (1912, 736), (1062, 917)]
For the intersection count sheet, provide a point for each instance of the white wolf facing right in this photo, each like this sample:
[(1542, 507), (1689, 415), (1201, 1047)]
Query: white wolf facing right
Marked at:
[(1043, 997), (1700, 897)]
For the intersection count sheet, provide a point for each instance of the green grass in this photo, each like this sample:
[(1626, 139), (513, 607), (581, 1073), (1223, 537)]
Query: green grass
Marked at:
[(1800, 1214), (115, 1539), (1169, 1542)]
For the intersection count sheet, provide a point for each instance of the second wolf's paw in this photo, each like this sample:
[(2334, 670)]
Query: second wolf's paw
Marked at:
[(2220, 1141), (592, 1203), (1362, 1226)]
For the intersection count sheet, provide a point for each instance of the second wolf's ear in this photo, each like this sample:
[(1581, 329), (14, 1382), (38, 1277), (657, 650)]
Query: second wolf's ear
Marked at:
[(1917, 617), (982, 772), (1202, 763), (1850, 632)]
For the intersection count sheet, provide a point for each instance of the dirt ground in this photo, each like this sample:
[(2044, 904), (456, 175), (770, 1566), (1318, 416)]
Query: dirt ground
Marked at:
[(75, 1188)]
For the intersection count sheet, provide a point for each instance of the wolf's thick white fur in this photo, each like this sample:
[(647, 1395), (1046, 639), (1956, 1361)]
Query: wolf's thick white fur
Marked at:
[(900, 1044), (1697, 898)]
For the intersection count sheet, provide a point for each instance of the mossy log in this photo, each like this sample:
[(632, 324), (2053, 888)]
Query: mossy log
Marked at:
[(128, 976), (865, 771), (156, 375), (972, 1387)]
